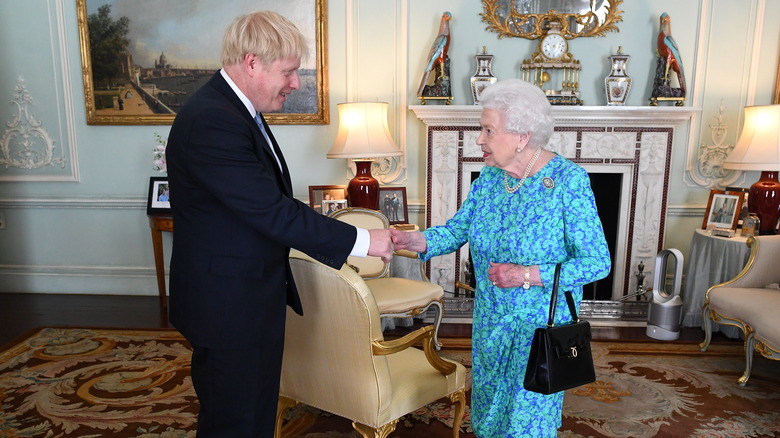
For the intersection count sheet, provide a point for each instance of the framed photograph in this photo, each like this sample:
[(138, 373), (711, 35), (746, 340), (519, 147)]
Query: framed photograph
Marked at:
[(319, 196), (141, 63), (329, 206), (723, 209), (392, 203), (159, 199), (746, 190)]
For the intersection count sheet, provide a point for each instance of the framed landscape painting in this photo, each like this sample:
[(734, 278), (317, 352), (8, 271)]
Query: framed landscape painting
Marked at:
[(142, 60)]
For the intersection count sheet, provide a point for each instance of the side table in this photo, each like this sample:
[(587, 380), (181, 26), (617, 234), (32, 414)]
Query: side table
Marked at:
[(712, 260), (159, 223)]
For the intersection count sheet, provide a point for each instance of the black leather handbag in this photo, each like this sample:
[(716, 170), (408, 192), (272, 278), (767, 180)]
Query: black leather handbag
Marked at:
[(560, 356)]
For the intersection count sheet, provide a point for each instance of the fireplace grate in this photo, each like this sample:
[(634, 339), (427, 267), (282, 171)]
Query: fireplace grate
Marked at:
[(463, 308)]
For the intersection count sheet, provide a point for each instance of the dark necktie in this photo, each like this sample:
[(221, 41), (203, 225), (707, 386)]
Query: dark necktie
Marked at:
[(268, 140)]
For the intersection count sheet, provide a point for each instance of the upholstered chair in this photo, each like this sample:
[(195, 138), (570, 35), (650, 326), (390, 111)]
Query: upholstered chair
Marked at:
[(337, 360), (750, 301), (395, 297)]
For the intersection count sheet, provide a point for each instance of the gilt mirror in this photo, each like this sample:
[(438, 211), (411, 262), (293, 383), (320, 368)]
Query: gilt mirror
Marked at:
[(527, 18)]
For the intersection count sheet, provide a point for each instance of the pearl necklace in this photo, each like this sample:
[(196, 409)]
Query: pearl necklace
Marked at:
[(531, 163)]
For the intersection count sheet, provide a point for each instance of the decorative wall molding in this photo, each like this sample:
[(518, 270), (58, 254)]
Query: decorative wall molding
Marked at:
[(707, 169), (705, 159), (387, 170), (74, 279), (29, 151), (26, 143), (66, 113), (75, 203)]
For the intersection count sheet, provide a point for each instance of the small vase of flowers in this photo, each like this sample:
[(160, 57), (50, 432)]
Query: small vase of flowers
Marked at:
[(159, 154)]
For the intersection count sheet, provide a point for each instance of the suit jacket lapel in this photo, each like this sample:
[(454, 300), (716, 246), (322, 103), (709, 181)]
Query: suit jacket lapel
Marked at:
[(218, 82)]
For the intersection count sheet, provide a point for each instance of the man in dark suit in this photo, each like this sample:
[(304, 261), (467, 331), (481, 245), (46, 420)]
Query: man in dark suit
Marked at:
[(235, 221)]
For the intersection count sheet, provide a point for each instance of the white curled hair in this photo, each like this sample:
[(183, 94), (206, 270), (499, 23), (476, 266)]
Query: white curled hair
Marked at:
[(525, 107)]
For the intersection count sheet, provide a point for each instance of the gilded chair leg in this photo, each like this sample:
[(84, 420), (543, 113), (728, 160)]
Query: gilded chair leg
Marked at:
[(370, 432), (459, 399), (750, 346), (282, 405), (705, 315)]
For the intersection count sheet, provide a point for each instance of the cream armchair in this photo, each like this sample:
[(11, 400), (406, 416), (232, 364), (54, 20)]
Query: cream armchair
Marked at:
[(336, 359), (395, 297), (750, 301)]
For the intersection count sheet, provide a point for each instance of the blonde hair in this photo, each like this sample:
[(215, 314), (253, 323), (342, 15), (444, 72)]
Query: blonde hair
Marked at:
[(525, 107), (267, 34)]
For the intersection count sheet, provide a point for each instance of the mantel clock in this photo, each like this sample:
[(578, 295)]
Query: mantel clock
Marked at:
[(553, 68)]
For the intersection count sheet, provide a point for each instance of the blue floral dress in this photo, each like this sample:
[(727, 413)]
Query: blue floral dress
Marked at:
[(552, 218)]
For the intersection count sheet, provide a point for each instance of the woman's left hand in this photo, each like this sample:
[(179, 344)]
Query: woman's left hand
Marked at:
[(506, 275)]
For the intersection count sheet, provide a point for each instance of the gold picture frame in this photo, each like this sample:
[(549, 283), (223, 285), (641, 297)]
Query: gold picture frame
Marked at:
[(125, 98)]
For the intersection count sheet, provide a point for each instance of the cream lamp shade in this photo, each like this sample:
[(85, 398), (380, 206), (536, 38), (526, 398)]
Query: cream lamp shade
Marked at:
[(758, 148), (363, 135), (363, 132)]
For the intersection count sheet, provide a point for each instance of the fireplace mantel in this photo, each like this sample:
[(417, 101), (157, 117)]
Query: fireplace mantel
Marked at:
[(635, 142), (658, 116)]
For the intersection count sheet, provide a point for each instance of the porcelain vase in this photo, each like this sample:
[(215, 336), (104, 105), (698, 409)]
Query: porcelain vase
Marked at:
[(618, 83)]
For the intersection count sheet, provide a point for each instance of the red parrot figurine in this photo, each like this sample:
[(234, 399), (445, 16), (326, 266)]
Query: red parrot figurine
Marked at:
[(667, 49)]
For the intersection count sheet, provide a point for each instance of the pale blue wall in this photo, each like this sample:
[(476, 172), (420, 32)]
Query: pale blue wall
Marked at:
[(82, 228)]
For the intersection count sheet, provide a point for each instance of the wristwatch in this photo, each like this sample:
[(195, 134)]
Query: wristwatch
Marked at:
[(527, 279)]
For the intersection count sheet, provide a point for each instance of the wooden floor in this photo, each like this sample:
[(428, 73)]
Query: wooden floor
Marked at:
[(20, 313)]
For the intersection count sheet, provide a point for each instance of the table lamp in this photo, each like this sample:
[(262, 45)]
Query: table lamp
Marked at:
[(758, 148), (363, 135)]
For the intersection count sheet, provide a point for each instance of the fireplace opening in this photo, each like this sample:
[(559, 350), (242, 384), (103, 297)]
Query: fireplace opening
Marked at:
[(606, 190)]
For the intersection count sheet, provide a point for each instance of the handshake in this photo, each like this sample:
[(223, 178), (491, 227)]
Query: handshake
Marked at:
[(385, 242)]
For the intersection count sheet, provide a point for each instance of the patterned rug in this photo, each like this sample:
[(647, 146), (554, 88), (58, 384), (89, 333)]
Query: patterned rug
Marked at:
[(135, 383)]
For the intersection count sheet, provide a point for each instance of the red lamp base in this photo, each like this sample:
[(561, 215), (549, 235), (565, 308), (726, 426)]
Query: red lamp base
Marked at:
[(764, 200), (363, 189)]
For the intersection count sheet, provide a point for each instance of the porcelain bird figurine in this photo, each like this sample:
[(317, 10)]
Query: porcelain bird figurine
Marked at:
[(438, 53), (667, 49)]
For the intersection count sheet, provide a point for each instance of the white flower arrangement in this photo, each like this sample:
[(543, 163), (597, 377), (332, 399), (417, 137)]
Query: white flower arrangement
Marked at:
[(159, 154)]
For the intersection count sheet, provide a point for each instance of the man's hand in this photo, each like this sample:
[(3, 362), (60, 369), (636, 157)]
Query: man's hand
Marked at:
[(409, 240), (381, 245)]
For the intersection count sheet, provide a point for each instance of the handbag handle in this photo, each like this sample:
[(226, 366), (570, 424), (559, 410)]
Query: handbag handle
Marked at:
[(554, 299)]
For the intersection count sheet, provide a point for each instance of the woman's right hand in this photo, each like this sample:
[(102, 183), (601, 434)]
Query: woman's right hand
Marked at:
[(409, 240)]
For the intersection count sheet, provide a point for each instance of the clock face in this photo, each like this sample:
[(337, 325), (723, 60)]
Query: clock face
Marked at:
[(553, 46)]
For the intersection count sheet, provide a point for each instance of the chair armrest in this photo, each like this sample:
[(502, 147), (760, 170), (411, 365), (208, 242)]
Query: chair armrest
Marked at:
[(424, 334)]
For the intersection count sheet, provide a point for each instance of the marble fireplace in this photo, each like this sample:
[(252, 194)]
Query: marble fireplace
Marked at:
[(632, 143)]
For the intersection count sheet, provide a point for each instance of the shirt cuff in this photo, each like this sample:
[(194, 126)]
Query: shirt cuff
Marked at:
[(361, 243)]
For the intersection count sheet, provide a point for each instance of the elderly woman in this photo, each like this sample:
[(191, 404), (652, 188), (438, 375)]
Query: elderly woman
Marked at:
[(528, 210)]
